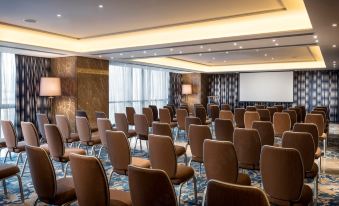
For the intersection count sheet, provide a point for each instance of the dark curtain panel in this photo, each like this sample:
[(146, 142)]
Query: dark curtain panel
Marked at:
[(174, 89), (29, 70)]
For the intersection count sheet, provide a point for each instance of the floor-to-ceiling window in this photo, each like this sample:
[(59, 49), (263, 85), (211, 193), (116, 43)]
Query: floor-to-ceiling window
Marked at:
[(7, 84), (137, 86)]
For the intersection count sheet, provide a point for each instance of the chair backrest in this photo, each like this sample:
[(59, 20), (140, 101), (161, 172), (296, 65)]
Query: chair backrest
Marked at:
[(293, 116), (318, 120), (310, 128), (170, 109), (264, 114), (165, 115), (282, 172), (222, 193), (181, 116), (154, 111), (200, 112), (150, 187), (320, 112), (191, 120), (42, 119), (223, 129), (280, 108), (214, 109), (239, 117), (42, 172), (81, 113), (298, 112), (118, 150), (185, 107), (162, 154), (225, 107), (272, 111), (197, 135), (260, 107), (303, 112), (30, 134), (220, 161), (226, 114), (99, 114), (149, 115), (173, 108), (9, 134), (103, 125), (54, 139), (248, 146), (265, 130), (303, 142), (141, 125), (130, 115), (251, 108), (83, 128), (281, 123), (88, 173), (250, 117), (121, 122), (163, 129), (64, 126)]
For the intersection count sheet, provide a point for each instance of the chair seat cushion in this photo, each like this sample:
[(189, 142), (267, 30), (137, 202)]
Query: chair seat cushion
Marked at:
[(65, 191), (243, 179), (313, 173), (173, 124), (68, 151), (131, 133), (2, 143), (197, 159), (20, 147), (74, 137), (120, 198), (94, 140), (140, 162), (179, 150), (183, 174), (7, 170), (305, 198), (208, 121), (323, 136), (94, 129)]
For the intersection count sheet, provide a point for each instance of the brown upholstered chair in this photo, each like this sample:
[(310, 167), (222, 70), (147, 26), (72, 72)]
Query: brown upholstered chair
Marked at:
[(303, 112), (221, 163), (299, 113), (104, 124), (47, 187), (8, 171), (165, 130), (239, 117), (100, 115), (318, 120), (56, 146), (165, 117), (149, 115), (303, 142), (264, 114), (283, 176), (2, 144), (222, 193), (272, 111), (185, 107), (266, 132), (326, 121), (171, 110), (121, 124), (42, 119), (226, 114), (247, 144), (251, 108), (87, 138), (225, 107), (200, 112), (281, 123), (141, 128), (197, 135), (181, 118), (155, 112), (259, 107), (250, 117), (293, 116), (280, 108), (119, 153), (65, 128), (223, 129), (162, 156), (13, 146), (191, 120), (91, 185), (214, 110), (130, 112), (150, 187), (82, 113)]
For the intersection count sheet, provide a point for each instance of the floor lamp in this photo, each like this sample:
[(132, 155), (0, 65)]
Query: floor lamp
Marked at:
[(186, 90), (50, 87)]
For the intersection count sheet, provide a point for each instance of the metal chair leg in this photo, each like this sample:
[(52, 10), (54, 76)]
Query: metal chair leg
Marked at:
[(204, 197), (324, 146), (17, 159), (100, 151), (24, 167), (93, 151), (6, 156), (135, 145), (21, 190), (185, 155), (110, 176), (65, 172), (180, 187), (140, 144), (195, 189), (5, 187), (36, 201)]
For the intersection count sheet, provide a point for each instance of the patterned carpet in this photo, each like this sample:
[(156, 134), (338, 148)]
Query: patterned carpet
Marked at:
[(328, 181)]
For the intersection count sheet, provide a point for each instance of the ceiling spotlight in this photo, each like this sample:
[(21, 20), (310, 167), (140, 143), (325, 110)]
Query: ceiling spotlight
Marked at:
[(315, 37), (121, 54), (132, 56), (334, 62), (155, 54), (99, 56), (257, 50), (145, 52), (180, 52), (101, 6), (316, 41), (334, 46), (276, 44), (225, 61), (171, 49), (200, 54), (59, 15), (213, 58), (240, 47), (235, 44), (265, 55), (334, 25), (209, 49), (273, 40), (112, 57), (201, 47), (272, 58), (226, 52)]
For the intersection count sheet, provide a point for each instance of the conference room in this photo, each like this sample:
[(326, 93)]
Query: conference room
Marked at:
[(169, 103)]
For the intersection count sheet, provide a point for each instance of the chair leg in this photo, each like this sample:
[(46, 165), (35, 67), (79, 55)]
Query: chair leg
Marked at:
[(65, 172), (87, 150), (6, 156), (136, 142), (62, 167), (140, 144), (324, 147), (100, 151), (180, 187), (93, 151), (5, 187), (36, 201), (110, 176), (316, 182), (21, 189), (17, 159), (199, 168), (24, 167), (185, 155), (195, 189), (204, 197)]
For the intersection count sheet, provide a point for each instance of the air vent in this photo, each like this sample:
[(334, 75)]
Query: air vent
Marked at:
[(30, 20)]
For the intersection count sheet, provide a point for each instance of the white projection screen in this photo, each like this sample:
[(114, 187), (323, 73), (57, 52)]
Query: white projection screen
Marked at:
[(266, 87)]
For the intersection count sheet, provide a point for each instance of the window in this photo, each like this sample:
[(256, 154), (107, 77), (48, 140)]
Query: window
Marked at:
[(7, 84), (136, 86)]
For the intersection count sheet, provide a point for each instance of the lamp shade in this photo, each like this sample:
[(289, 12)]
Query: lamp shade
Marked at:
[(50, 87), (186, 89)]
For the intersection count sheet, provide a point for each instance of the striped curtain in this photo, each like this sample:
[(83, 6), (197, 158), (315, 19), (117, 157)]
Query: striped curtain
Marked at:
[(29, 70), (174, 96)]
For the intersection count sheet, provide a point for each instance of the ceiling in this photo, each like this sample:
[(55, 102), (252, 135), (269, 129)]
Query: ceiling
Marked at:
[(214, 36)]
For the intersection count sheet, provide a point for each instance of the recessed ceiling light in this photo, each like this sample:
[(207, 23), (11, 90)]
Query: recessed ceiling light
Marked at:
[(209, 49), (235, 44), (144, 52), (225, 61), (273, 40), (201, 47), (132, 56), (265, 55), (59, 15), (272, 58), (240, 47), (315, 37), (316, 41), (171, 49), (334, 46), (213, 58), (334, 25), (226, 52), (112, 57), (200, 54), (99, 56), (155, 54), (121, 54), (30, 20), (276, 44), (180, 52), (257, 50), (101, 6)]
